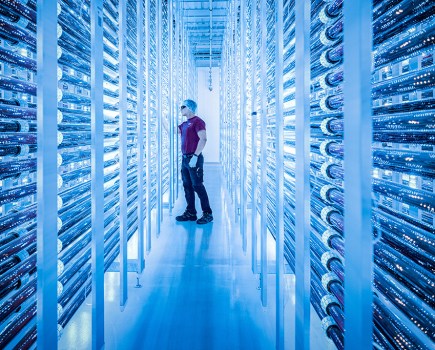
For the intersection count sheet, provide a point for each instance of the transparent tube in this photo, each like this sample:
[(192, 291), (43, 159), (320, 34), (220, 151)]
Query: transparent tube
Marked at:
[(400, 19), (12, 329), (76, 266), (17, 60), (380, 7), (21, 8), (400, 128), (419, 198), (414, 106), (402, 219), (422, 79), (15, 34), (27, 341), (331, 329), (10, 306), (393, 329), (74, 305), (16, 219), (408, 303), (17, 85), (324, 14), (406, 271), (12, 278), (328, 59), (410, 46), (327, 37), (399, 295), (18, 139), (8, 111), (19, 243)]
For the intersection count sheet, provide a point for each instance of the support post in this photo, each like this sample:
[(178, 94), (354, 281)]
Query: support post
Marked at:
[(140, 136), (123, 198), (159, 116), (243, 148), (47, 175), (97, 174), (254, 195), (358, 294), (263, 116), (302, 174), (148, 127), (279, 172), (172, 175)]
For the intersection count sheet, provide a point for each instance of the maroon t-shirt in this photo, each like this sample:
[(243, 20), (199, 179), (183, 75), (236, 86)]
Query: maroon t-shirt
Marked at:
[(189, 134)]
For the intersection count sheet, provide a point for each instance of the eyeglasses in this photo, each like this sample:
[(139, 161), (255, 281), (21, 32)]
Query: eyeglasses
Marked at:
[(182, 107)]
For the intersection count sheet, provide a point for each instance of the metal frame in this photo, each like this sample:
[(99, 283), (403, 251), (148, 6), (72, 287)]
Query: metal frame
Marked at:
[(123, 235), (148, 132), (140, 138), (234, 115), (171, 112), (159, 214), (176, 113), (46, 295), (254, 197), (229, 115), (302, 213), (97, 174), (358, 165), (263, 228), (279, 173), (198, 25), (243, 148), (358, 293), (175, 102)]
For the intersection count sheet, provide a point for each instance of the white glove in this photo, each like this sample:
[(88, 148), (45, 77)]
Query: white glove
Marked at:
[(193, 160)]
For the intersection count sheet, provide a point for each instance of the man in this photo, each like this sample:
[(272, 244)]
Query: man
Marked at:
[(193, 140)]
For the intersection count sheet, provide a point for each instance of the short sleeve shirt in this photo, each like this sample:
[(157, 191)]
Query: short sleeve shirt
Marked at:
[(189, 134)]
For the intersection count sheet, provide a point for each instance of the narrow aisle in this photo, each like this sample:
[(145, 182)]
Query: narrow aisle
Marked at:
[(198, 291)]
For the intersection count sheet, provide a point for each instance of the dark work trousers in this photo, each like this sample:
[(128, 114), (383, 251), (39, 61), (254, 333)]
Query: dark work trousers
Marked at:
[(193, 182)]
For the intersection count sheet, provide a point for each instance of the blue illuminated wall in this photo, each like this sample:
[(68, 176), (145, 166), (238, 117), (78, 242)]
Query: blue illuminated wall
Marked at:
[(107, 182), (401, 168)]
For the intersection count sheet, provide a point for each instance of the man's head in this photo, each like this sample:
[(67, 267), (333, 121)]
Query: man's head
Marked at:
[(190, 104)]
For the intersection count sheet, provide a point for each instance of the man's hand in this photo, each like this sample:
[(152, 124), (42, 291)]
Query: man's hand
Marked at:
[(193, 160)]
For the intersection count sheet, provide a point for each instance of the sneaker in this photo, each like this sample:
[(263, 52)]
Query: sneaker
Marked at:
[(186, 216), (205, 219)]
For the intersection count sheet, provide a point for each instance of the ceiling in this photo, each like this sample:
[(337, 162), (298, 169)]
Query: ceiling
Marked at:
[(196, 16)]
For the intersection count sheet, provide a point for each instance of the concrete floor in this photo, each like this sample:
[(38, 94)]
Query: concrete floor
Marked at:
[(198, 291)]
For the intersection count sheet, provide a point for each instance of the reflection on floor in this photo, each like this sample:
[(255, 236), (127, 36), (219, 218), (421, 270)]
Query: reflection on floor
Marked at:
[(198, 290)]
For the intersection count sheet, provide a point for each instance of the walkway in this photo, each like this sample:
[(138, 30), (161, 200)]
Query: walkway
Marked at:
[(198, 291)]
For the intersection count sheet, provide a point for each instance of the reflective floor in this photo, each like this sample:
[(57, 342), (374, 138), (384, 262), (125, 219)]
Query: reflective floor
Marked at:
[(197, 290)]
